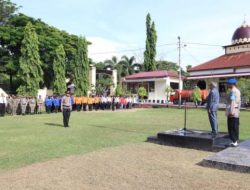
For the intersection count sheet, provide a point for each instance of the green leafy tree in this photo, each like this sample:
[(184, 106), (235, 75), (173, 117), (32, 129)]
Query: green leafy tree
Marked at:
[(127, 65), (142, 92), (151, 40), (244, 86), (119, 90), (100, 66), (30, 72), (167, 65), (111, 62), (186, 84), (103, 84), (49, 37), (59, 86), (81, 71), (7, 9), (196, 96), (188, 67)]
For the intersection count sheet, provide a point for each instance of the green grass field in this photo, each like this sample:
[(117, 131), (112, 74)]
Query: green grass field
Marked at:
[(29, 139)]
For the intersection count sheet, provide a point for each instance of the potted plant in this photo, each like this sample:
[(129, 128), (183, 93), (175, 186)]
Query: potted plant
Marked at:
[(196, 96), (168, 92), (142, 93)]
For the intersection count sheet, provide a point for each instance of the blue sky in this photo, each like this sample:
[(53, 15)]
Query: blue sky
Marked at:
[(116, 25)]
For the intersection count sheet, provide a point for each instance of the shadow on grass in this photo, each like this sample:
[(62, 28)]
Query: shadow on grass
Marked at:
[(54, 124), (123, 130)]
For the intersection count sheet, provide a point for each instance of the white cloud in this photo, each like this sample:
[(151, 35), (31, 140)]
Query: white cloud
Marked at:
[(102, 49)]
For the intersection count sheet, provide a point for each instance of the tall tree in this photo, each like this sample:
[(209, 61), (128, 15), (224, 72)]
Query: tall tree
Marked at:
[(81, 73), (59, 71), (127, 65), (49, 39), (151, 40), (114, 64), (111, 62), (7, 9), (167, 65), (30, 72)]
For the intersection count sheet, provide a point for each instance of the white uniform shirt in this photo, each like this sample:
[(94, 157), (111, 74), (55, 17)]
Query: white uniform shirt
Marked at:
[(3, 100)]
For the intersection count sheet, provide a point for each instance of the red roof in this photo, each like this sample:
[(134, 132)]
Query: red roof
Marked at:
[(225, 61), (152, 74)]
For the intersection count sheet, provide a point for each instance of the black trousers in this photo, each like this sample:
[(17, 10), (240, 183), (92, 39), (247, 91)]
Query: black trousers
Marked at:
[(66, 116), (113, 106), (84, 107), (78, 107), (56, 109), (48, 108), (90, 107), (2, 109), (233, 128)]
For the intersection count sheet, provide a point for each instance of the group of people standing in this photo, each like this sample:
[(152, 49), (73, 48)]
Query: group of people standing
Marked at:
[(20, 105), (103, 103), (82, 103), (233, 103)]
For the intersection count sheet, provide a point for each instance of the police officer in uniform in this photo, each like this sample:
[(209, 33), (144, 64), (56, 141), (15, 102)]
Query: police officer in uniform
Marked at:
[(66, 107), (39, 104), (24, 103), (32, 103), (233, 111), (16, 102)]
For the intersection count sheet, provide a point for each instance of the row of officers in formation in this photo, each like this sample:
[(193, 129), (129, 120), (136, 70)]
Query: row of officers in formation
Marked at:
[(22, 105)]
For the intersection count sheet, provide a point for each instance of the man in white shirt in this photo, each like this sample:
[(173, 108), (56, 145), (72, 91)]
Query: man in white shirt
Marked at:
[(3, 104)]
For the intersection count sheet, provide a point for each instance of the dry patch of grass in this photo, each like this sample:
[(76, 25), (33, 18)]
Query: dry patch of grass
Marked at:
[(137, 166)]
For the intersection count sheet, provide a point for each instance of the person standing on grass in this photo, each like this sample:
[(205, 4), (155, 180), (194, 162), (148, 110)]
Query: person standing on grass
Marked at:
[(90, 103), (24, 102), (233, 111), (66, 107), (212, 107), (39, 104), (15, 104), (56, 103), (48, 104), (32, 103), (3, 104)]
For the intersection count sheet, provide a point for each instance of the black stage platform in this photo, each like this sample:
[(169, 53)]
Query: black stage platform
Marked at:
[(235, 159), (192, 138)]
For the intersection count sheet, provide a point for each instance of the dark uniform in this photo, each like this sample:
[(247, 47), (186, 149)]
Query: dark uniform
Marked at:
[(66, 107)]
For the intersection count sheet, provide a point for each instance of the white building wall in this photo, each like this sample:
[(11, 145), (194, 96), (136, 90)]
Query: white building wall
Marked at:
[(114, 78), (159, 93), (237, 49), (160, 86), (211, 72), (92, 79)]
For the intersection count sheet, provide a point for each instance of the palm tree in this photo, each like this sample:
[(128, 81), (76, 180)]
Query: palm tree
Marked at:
[(111, 63), (128, 65)]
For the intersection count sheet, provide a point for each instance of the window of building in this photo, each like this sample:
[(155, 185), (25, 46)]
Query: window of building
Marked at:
[(174, 85), (201, 84), (151, 86)]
